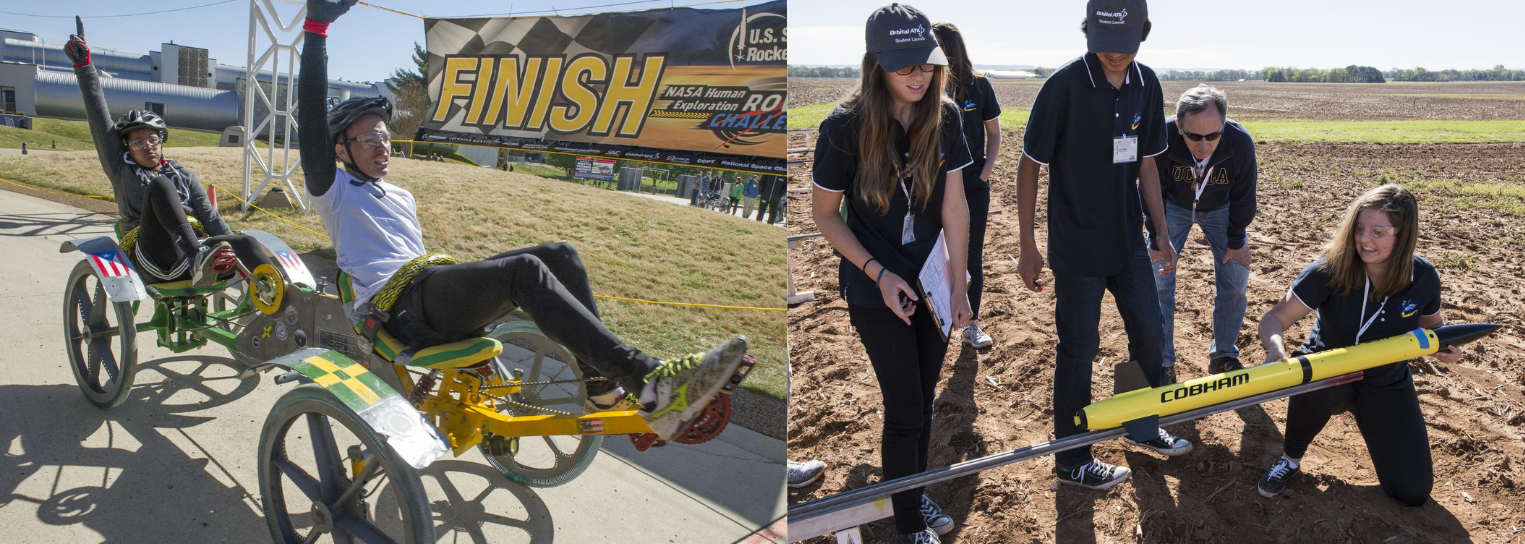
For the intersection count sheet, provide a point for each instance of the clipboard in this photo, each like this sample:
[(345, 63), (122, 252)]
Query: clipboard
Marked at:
[(936, 286)]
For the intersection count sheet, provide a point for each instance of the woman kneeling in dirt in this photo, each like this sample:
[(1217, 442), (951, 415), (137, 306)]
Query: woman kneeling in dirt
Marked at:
[(153, 195), (1367, 285), (894, 149)]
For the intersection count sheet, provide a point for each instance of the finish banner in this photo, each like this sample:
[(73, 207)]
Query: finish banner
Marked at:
[(703, 86)]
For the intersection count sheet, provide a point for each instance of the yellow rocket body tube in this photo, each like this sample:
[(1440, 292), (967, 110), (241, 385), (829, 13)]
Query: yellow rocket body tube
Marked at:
[(1210, 390)]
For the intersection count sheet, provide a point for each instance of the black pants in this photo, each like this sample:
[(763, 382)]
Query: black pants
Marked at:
[(1077, 319), (979, 216), (1390, 421), (166, 239), (453, 302), (762, 208), (907, 361)]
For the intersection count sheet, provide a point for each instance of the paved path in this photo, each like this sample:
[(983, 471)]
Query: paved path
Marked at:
[(175, 463)]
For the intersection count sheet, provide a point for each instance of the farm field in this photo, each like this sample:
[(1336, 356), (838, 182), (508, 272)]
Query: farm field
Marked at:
[(1471, 191)]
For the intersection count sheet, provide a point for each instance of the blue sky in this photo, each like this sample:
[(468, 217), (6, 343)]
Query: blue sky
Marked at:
[(1225, 34), (367, 44)]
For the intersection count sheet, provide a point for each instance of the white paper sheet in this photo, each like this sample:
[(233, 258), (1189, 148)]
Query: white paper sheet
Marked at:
[(936, 282)]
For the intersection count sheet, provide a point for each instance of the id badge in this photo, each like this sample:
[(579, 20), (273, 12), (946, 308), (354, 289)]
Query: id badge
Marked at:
[(908, 229), (1124, 149)]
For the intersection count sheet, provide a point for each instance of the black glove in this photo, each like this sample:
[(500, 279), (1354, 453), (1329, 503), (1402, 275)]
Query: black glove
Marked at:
[(327, 11), (77, 51)]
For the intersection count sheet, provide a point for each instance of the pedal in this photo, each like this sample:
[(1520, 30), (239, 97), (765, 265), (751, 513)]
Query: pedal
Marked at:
[(643, 442)]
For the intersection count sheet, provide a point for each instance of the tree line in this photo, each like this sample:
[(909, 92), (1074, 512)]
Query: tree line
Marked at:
[(1497, 73)]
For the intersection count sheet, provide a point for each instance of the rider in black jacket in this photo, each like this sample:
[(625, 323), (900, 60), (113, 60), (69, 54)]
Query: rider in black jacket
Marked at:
[(154, 195)]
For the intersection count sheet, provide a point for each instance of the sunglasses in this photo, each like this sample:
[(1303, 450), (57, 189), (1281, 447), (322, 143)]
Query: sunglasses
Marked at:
[(1199, 137), (925, 68)]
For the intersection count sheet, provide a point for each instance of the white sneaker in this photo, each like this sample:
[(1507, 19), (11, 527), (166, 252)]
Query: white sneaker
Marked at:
[(682, 387), (976, 337)]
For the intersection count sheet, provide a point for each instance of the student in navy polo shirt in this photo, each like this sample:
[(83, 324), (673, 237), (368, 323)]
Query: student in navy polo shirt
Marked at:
[(895, 152), (1367, 285), (1097, 123), (972, 93), (1208, 177)]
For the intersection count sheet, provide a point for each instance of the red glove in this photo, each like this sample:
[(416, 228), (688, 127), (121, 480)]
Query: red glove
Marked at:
[(77, 51)]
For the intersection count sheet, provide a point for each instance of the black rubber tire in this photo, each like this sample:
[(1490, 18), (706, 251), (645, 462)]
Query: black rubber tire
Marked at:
[(86, 309), (321, 409)]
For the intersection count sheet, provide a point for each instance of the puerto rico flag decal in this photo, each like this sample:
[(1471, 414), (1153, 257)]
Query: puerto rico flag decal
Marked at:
[(289, 260), (112, 264)]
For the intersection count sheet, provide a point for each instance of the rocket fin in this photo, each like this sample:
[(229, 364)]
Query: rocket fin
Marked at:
[(1143, 429), (1128, 376)]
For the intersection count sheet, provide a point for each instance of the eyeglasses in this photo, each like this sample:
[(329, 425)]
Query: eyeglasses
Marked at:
[(139, 145), (925, 68), (1375, 233), (375, 140), (1199, 137)]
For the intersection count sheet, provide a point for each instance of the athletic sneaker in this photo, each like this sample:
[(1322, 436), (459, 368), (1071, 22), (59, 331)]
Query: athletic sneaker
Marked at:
[(806, 473), (1220, 365), (1093, 475), (1277, 478), (1167, 375), (210, 262), (937, 521), (926, 536), (682, 387), (1165, 444), (976, 337)]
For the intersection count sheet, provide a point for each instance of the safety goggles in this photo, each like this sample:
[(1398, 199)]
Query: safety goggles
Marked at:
[(145, 143), (375, 140), (1376, 233)]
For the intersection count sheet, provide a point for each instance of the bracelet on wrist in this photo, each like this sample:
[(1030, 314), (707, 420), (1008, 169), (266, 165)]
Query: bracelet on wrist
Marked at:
[(881, 274)]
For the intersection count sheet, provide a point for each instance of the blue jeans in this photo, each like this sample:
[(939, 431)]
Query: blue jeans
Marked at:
[(1077, 318), (1230, 278)]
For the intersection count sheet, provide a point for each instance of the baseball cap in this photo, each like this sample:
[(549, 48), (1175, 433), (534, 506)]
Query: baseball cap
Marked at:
[(901, 36), (1115, 26)]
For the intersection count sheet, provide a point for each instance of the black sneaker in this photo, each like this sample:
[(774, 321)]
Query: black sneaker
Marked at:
[(937, 521), (1093, 475), (1167, 375), (1220, 365), (1276, 479), (1165, 444), (926, 536)]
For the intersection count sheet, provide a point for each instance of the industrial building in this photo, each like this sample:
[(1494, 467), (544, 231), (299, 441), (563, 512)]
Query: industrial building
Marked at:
[(180, 83)]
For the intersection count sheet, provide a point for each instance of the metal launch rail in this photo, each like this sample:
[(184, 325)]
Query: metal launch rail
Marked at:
[(860, 506)]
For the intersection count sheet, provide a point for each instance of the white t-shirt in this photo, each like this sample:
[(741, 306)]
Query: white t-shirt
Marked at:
[(373, 236)]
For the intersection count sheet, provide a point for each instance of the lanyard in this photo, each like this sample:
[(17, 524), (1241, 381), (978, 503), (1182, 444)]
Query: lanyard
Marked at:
[(1201, 185), (1369, 321)]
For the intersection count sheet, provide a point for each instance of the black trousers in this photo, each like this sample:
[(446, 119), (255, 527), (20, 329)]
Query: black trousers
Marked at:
[(1389, 419), (454, 302), (907, 361), (166, 239), (979, 217)]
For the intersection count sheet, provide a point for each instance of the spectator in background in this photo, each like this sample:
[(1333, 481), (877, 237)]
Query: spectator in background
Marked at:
[(750, 192), (735, 196), (772, 186)]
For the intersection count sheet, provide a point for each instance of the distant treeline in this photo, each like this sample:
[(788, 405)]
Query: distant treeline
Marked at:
[(1348, 74), (1498, 73), (1199, 75), (822, 71)]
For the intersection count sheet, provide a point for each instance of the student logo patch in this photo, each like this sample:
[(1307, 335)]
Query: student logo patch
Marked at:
[(969, 105), (1410, 308), (1136, 118)]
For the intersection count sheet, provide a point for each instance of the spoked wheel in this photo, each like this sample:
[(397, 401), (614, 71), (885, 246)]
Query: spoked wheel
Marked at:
[(541, 461), (99, 337), (309, 485)]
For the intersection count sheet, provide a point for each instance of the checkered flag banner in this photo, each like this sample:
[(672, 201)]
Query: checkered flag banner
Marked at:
[(686, 86)]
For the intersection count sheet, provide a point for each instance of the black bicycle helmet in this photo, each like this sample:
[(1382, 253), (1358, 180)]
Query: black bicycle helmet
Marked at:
[(340, 117), (136, 119)]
